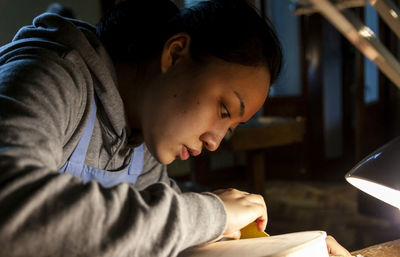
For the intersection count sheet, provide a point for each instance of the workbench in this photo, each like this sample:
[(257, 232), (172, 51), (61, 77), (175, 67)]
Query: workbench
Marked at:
[(388, 249), (258, 247)]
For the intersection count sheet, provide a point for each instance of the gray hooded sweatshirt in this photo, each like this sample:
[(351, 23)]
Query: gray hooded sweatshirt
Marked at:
[(49, 75)]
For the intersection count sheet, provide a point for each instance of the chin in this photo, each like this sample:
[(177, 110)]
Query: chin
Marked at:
[(162, 158), (165, 161), (157, 152)]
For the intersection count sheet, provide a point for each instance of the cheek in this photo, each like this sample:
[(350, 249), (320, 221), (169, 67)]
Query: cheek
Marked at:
[(183, 127), (176, 120), (174, 117), (187, 119)]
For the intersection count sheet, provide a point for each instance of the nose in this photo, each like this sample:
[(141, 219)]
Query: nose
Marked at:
[(212, 140)]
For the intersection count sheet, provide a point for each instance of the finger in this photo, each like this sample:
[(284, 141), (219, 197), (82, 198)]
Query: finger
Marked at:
[(335, 248), (218, 191), (257, 217), (235, 235), (265, 220), (232, 191), (256, 198), (261, 224), (217, 239), (237, 192), (261, 216)]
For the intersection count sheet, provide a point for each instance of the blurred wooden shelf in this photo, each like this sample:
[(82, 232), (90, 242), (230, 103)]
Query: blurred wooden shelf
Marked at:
[(254, 138), (267, 132)]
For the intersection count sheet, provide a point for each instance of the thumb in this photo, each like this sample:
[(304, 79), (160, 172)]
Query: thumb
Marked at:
[(235, 235)]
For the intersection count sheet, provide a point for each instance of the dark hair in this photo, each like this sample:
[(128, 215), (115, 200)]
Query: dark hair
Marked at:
[(227, 29), (61, 10)]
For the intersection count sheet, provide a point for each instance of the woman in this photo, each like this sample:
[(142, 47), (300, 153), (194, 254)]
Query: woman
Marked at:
[(110, 106)]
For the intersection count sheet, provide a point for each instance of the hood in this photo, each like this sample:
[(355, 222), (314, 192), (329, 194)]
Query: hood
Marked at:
[(52, 31)]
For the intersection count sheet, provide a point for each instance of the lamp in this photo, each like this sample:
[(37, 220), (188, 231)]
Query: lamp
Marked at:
[(379, 173)]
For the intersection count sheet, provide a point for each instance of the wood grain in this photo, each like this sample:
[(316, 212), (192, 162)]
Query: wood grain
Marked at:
[(388, 249)]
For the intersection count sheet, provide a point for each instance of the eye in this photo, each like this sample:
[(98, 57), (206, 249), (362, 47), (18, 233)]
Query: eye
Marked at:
[(224, 111)]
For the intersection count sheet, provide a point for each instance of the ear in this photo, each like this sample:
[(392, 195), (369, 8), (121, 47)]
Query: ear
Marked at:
[(175, 49)]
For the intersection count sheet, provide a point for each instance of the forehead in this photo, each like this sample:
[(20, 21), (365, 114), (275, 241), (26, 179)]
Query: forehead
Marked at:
[(216, 68), (250, 83)]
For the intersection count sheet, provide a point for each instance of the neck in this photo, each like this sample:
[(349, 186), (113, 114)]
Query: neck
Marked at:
[(129, 87)]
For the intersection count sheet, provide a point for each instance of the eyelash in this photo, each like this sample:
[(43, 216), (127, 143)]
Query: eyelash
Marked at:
[(225, 114)]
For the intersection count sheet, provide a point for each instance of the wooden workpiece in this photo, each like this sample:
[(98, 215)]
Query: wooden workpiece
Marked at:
[(388, 249), (308, 243)]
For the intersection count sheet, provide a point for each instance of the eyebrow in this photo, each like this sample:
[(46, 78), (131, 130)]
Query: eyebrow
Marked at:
[(242, 106)]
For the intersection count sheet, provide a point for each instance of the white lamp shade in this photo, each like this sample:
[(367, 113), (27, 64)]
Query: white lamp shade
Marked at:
[(379, 173)]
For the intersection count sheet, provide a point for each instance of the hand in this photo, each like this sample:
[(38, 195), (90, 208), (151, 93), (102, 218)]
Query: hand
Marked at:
[(335, 248), (241, 209)]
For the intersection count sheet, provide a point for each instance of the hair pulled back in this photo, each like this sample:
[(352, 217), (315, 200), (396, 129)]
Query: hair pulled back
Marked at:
[(136, 31)]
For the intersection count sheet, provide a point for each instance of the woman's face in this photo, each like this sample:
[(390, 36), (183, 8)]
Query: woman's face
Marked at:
[(192, 106)]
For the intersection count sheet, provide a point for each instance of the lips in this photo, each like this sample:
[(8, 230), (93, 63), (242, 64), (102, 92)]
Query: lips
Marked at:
[(193, 152), (184, 153), (187, 152)]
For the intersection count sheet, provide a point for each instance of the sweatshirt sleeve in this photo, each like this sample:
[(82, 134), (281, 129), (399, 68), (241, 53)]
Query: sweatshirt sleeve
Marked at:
[(44, 213)]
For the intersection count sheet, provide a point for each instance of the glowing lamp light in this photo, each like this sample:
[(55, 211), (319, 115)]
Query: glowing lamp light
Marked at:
[(379, 173)]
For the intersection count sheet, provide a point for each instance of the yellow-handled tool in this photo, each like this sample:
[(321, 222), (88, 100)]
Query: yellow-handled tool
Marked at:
[(251, 231)]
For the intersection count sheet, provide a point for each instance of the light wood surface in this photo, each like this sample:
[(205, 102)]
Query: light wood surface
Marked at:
[(388, 249), (309, 243)]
